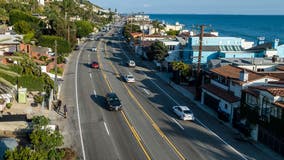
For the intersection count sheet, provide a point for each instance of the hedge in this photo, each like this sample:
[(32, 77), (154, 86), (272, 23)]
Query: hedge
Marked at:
[(11, 79), (32, 83), (63, 46)]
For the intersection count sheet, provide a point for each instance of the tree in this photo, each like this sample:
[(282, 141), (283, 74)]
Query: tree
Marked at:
[(22, 153), (44, 146), (172, 32), (22, 27), (184, 70), (17, 15), (84, 28), (63, 46), (158, 51)]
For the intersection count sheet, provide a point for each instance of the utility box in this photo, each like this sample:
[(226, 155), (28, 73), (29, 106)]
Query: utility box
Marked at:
[(22, 95)]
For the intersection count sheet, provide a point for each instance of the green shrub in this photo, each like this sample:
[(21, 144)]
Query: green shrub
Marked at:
[(17, 68), (63, 46), (43, 58), (38, 98), (8, 105), (32, 83), (9, 78)]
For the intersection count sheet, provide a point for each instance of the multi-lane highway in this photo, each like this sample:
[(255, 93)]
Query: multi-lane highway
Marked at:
[(146, 128)]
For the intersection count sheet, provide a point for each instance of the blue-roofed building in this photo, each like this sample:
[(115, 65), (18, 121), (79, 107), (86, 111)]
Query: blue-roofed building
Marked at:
[(215, 47)]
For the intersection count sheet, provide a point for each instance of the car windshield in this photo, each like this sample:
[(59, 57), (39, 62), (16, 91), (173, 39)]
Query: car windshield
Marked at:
[(130, 76), (187, 112), (113, 99)]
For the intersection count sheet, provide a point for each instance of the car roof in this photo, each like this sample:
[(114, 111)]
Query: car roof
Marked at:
[(184, 108), (111, 94)]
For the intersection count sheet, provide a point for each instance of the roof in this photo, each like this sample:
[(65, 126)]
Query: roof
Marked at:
[(41, 50), (280, 67), (262, 47), (279, 75), (205, 35), (184, 108), (252, 91), (274, 90), (219, 92), (233, 72)]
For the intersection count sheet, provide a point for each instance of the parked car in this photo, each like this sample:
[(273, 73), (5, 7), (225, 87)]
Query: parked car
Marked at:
[(131, 63), (129, 78), (113, 102), (183, 112), (95, 65), (94, 49)]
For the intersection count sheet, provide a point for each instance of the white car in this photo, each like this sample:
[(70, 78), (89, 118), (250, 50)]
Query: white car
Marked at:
[(94, 49), (129, 78), (184, 113), (131, 63)]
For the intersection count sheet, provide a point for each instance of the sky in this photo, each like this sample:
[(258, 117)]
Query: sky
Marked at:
[(247, 7)]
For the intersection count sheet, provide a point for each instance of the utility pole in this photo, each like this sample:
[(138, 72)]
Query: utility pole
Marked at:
[(198, 75), (68, 27), (142, 33), (55, 70)]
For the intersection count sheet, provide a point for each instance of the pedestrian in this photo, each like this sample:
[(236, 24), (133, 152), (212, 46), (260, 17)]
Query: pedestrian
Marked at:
[(65, 111), (59, 105)]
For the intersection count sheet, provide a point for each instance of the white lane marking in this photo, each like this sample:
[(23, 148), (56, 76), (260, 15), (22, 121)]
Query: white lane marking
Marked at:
[(240, 154), (178, 123), (146, 91), (91, 76), (106, 128), (89, 55), (77, 105), (95, 93)]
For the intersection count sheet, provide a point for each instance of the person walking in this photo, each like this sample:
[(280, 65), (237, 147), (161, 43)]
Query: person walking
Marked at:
[(65, 111), (59, 105)]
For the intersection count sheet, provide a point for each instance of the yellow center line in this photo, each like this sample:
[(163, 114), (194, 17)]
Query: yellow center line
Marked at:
[(155, 126), (132, 129)]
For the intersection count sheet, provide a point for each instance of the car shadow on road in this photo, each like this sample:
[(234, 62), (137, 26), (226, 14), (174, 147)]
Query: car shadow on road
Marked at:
[(100, 101)]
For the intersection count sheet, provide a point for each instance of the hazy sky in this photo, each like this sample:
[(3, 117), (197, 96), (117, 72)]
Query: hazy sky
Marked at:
[(262, 7)]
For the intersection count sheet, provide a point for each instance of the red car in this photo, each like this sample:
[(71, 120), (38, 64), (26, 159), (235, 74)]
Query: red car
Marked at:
[(95, 65)]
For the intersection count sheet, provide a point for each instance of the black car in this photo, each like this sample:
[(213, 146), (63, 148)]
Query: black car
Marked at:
[(113, 102)]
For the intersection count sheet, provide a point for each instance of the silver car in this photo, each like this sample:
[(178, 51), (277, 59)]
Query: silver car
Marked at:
[(184, 113)]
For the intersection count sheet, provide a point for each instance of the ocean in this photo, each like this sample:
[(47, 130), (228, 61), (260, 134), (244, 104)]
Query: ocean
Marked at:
[(248, 27)]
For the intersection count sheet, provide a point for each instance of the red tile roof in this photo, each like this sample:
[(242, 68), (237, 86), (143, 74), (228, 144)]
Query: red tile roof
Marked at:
[(276, 74), (274, 90), (233, 72), (219, 92)]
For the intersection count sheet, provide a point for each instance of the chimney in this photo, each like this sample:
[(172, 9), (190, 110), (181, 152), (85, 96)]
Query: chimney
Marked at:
[(244, 75), (260, 40), (276, 43)]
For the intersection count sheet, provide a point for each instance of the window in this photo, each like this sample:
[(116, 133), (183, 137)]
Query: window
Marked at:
[(226, 106), (265, 109), (251, 100), (276, 112)]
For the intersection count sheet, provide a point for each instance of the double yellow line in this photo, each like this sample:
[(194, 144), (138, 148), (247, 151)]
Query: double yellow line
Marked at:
[(155, 126), (132, 129)]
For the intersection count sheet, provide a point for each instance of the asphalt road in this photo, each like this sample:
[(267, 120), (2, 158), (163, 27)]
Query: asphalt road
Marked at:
[(146, 128), (194, 140)]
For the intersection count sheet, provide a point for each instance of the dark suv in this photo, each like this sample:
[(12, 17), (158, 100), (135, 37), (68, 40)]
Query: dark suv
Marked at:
[(113, 102)]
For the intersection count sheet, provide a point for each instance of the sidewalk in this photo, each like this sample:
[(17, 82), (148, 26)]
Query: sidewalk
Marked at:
[(185, 92)]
